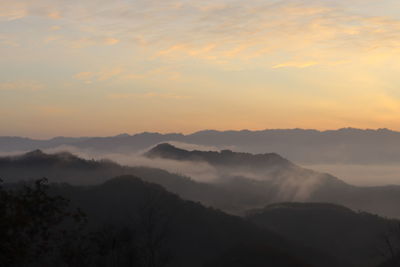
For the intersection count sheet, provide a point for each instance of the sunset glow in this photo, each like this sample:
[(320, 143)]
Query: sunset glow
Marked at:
[(99, 67)]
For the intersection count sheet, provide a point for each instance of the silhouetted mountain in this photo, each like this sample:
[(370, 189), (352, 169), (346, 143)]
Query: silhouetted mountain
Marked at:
[(282, 180), (346, 145), (224, 158), (65, 167), (235, 191), (191, 234), (232, 192), (353, 237)]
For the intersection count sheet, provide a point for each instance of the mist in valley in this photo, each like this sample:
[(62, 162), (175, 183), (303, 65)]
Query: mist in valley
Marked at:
[(184, 133), (252, 186)]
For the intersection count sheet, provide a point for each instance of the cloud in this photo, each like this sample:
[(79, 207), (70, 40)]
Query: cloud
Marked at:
[(111, 41), (54, 15), (8, 40), (21, 86), (148, 95), (127, 74), (218, 30), (220, 51), (12, 10), (55, 28), (85, 42), (295, 64), (100, 76)]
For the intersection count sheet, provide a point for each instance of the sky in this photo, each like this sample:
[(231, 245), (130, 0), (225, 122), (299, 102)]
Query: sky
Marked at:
[(100, 67)]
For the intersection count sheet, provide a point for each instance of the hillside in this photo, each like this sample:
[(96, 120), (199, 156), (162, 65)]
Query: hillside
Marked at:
[(355, 237), (281, 180), (189, 233), (235, 190)]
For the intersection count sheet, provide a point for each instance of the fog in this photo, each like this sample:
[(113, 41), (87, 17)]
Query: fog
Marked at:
[(199, 171), (355, 174), (362, 174), (290, 185)]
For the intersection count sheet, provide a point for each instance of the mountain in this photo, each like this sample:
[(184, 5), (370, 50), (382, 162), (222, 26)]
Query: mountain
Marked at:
[(225, 158), (131, 222), (336, 230), (190, 234), (343, 146), (235, 189), (68, 168), (280, 180)]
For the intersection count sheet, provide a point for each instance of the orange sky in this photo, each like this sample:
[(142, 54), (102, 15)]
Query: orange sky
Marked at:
[(102, 67)]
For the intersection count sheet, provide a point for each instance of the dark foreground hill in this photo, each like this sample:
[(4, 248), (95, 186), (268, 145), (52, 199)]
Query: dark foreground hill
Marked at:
[(183, 233), (357, 238), (135, 223)]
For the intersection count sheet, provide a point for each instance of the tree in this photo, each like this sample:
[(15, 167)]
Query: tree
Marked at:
[(35, 226), (390, 248)]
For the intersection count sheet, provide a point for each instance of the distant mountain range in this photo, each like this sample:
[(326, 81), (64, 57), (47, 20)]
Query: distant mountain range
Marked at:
[(347, 145)]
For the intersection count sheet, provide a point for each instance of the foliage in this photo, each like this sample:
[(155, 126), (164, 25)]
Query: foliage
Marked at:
[(34, 225)]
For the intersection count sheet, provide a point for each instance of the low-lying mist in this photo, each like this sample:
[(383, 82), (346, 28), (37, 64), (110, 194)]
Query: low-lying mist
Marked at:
[(355, 174), (288, 184), (199, 171), (362, 174), (233, 182)]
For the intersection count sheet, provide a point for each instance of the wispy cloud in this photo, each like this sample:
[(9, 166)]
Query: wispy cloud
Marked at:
[(148, 95), (127, 74), (295, 64), (21, 86), (218, 29), (55, 28), (103, 75), (91, 41), (12, 10), (8, 40), (244, 57)]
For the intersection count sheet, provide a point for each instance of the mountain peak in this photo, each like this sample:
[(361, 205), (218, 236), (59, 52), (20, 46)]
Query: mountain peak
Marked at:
[(166, 150), (221, 158), (34, 153)]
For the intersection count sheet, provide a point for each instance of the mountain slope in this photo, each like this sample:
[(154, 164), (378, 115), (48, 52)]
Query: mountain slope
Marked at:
[(194, 235), (282, 180), (65, 167), (224, 158), (354, 237), (235, 191)]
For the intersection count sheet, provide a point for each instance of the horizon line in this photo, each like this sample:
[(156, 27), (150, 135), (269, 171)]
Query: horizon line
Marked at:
[(201, 131)]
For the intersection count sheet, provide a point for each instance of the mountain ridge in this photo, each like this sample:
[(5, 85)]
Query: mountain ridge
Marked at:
[(345, 145), (233, 192)]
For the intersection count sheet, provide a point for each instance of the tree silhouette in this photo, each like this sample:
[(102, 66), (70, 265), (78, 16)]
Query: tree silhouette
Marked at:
[(34, 225)]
